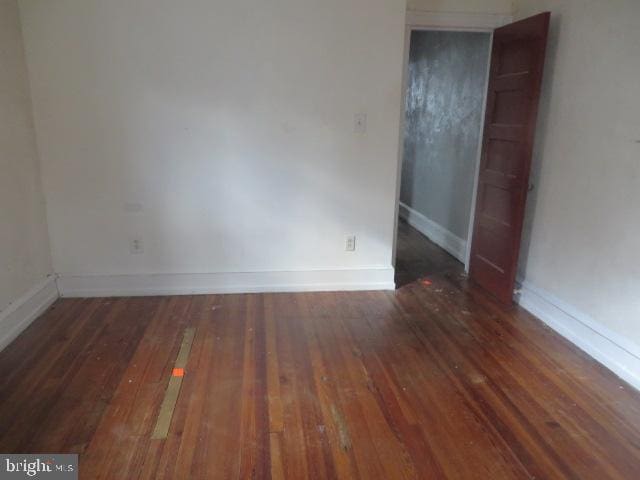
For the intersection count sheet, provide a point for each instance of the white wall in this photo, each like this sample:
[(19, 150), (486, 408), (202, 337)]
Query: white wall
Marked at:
[(24, 248), (462, 6), (583, 216), (229, 123)]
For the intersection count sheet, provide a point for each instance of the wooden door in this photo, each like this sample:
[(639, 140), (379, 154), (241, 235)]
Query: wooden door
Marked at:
[(515, 78)]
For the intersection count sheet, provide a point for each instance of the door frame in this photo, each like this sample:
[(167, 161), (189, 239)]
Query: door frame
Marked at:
[(450, 22)]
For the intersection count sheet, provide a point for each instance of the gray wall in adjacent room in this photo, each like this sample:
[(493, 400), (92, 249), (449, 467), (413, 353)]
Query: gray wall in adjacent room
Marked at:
[(445, 94)]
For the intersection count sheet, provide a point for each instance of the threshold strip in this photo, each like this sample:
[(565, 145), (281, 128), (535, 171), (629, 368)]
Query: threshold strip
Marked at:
[(161, 429)]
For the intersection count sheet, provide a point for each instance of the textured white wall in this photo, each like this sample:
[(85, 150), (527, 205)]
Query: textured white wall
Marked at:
[(24, 248), (230, 123), (443, 115), (583, 227)]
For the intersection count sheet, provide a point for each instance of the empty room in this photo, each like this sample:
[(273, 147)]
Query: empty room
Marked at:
[(290, 239)]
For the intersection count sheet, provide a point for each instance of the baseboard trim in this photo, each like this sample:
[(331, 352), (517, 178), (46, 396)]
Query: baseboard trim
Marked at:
[(435, 232), (612, 350), (22, 312), (212, 283)]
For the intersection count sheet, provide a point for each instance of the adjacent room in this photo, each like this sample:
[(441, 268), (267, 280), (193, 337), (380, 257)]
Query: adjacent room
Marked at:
[(374, 239), (444, 104)]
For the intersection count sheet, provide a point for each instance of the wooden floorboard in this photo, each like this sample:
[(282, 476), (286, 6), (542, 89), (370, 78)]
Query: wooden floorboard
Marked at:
[(430, 381)]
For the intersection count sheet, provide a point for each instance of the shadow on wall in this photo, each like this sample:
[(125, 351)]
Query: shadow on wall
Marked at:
[(236, 196), (542, 132), (242, 157)]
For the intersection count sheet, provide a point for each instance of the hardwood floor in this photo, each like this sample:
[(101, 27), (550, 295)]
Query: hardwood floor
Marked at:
[(430, 381), (418, 257)]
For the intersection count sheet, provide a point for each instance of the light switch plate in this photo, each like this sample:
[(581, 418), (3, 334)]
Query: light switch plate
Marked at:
[(360, 123)]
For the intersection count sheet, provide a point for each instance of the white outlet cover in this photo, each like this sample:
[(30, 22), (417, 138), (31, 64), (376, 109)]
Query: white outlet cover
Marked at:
[(351, 243)]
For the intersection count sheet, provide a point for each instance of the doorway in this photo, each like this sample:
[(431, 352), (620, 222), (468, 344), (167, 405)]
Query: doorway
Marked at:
[(446, 87)]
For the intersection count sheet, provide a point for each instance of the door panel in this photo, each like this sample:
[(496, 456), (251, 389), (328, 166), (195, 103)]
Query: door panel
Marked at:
[(517, 61)]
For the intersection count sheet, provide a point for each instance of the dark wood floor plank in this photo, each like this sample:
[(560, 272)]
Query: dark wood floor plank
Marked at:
[(440, 403), (274, 398), (27, 350), (222, 413), (346, 413), (520, 373), (559, 390), (22, 376), (312, 417), (30, 405), (515, 406), (139, 390), (327, 398), (434, 380), (96, 379)]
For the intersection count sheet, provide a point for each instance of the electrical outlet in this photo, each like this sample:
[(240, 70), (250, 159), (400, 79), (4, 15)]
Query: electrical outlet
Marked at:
[(360, 123), (351, 243), (136, 246)]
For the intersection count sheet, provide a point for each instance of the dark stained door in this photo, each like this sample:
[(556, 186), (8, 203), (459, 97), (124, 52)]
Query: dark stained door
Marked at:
[(515, 78)]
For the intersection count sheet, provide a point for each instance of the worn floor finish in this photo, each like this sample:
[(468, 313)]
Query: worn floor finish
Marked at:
[(427, 382), (417, 257)]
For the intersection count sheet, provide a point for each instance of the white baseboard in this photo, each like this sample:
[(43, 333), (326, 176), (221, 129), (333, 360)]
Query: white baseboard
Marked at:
[(209, 283), (612, 350), (20, 313), (435, 232)]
